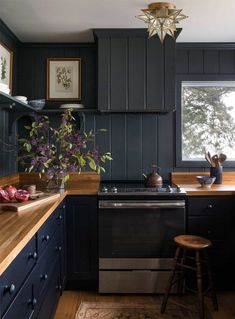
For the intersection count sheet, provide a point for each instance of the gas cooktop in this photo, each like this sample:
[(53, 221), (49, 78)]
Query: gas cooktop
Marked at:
[(111, 188)]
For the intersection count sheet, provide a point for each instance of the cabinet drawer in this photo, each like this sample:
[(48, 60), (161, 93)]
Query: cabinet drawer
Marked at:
[(23, 305), (211, 227), (49, 228), (51, 297), (43, 270), (209, 205), (14, 276)]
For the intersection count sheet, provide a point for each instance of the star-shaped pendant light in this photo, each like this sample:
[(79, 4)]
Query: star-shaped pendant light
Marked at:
[(161, 18)]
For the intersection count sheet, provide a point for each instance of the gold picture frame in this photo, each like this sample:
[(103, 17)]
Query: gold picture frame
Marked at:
[(6, 65), (63, 79)]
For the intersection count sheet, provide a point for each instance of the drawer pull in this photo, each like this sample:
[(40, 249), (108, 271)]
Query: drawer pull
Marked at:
[(59, 287), (60, 217), (11, 289), (46, 238), (210, 206), (33, 255), (58, 248), (63, 206), (32, 302), (44, 277)]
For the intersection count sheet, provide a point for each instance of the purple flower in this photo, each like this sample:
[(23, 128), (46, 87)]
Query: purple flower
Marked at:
[(58, 152)]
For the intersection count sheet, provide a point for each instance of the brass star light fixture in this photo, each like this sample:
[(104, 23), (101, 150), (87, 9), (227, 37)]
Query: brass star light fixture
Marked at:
[(161, 18)]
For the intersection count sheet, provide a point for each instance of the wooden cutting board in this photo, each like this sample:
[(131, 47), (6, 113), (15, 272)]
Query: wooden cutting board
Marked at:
[(18, 207)]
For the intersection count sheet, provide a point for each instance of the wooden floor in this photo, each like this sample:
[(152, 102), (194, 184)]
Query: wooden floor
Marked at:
[(70, 301)]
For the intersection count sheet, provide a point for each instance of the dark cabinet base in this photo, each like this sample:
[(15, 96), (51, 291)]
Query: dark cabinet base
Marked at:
[(82, 242), (213, 218)]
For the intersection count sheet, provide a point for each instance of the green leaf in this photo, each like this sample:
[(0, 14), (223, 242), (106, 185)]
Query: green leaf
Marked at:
[(30, 169), (27, 127), (92, 165), (28, 147), (108, 157)]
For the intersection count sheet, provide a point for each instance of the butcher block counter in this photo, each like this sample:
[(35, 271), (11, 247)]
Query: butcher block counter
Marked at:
[(16, 229), (189, 182)]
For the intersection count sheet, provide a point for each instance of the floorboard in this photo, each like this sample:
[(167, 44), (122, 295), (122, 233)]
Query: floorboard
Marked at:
[(70, 300)]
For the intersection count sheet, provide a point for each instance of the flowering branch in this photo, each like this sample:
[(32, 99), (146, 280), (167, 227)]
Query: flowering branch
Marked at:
[(57, 152)]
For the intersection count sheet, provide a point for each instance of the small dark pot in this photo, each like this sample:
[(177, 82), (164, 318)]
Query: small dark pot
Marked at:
[(217, 172)]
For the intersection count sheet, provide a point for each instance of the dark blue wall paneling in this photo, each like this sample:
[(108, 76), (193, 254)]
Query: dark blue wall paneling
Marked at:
[(135, 140), (33, 66), (8, 159)]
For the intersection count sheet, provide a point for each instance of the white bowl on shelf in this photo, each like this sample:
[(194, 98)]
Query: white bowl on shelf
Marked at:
[(72, 106), (21, 98)]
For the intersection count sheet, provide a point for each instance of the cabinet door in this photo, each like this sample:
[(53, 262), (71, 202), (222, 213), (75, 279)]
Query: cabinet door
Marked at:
[(51, 297), (63, 247), (13, 277), (213, 218), (24, 303), (82, 255)]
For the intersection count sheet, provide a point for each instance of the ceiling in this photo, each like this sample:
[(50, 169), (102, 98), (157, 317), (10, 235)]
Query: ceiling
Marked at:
[(72, 20)]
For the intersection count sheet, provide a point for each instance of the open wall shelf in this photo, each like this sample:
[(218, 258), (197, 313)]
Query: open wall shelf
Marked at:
[(10, 103), (17, 109)]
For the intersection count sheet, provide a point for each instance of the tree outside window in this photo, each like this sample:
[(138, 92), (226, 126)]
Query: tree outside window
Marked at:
[(208, 119)]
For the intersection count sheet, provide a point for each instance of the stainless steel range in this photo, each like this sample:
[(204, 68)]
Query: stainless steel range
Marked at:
[(136, 230)]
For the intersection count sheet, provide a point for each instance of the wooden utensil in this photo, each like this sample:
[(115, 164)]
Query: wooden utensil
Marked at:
[(215, 159), (208, 158), (222, 158)]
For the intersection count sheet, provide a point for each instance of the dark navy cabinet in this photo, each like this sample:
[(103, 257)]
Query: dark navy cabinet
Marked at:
[(213, 217), (30, 287), (135, 74), (82, 247)]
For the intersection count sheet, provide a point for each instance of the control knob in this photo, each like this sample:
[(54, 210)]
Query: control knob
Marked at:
[(114, 190), (178, 189), (105, 189), (168, 189)]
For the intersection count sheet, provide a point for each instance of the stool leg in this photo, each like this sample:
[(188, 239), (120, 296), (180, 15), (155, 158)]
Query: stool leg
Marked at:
[(170, 281), (211, 283), (181, 275), (199, 286)]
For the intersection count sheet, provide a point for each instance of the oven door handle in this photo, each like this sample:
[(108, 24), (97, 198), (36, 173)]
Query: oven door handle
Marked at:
[(142, 204)]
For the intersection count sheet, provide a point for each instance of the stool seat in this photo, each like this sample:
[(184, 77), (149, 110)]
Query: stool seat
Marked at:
[(192, 242), (198, 253)]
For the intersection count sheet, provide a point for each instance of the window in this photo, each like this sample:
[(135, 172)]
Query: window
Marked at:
[(206, 120)]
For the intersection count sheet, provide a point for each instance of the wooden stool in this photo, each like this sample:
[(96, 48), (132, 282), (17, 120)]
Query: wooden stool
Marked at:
[(198, 245)]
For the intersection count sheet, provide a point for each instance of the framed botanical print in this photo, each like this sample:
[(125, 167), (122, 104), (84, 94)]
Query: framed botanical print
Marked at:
[(63, 79), (6, 60)]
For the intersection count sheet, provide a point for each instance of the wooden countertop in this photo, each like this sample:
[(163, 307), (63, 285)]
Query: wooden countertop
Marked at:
[(16, 229), (192, 187), (215, 190)]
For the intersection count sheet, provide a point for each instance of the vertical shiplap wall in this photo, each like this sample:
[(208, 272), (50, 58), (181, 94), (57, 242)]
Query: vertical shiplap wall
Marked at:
[(8, 159), (136, 141), (33, 69)]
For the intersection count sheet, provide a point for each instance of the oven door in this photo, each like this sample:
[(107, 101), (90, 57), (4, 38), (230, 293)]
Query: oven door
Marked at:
[(139, 229)]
